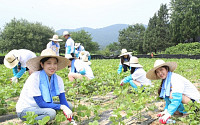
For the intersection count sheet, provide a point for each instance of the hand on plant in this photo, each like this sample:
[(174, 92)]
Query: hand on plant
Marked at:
[(67, 112), (162, 113), (14, 79), (164, 118)]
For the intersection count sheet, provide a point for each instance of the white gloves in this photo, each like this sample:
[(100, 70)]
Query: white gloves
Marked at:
[(66, 110), (14, 79), (164, 118), (162, 113)]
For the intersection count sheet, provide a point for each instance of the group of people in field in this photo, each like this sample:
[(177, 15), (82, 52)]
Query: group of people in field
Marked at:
[(43, 83), (175, 89)]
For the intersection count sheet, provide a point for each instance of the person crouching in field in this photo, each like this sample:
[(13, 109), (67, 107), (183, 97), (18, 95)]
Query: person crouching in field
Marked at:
[(80, 68), (42, 85), (16, 60), (174, 89), (124, 57), (138, 74)]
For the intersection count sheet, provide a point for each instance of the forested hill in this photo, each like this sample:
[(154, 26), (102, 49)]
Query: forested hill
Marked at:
[(103, 36)]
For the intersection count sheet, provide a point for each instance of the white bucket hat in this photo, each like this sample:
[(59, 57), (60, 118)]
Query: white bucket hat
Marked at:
[(55, 38), (11, 59), (77, 45), (151, 74), (85, 60), (124, 52), (133, 62), (65, 33), (34, 63)]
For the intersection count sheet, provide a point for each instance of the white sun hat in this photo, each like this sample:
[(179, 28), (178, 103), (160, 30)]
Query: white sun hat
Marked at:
[(77, 45), (85, 59), (34, 63), (151, 74), (55, 38), (65, 33), (11, 59), (133, 62), (124, 52)]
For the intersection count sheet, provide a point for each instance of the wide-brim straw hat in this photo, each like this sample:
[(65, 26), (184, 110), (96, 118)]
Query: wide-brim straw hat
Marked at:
[(133, 62), (124, 52), (69, 56), (34, 63), (11, 59), (55, 38), (77, 45), (151, 74)]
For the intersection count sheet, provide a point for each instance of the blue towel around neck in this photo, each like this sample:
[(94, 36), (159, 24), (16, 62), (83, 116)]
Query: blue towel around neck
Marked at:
[(48, 90), (53, 43), (166, 86)]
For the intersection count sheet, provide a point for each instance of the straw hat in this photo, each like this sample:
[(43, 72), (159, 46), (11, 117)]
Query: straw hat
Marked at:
[(133, 62), (11, 59), (124, 52), (55, 38), (77, 45), (85, 60), (65, 33), (159, 63), (34, 63)]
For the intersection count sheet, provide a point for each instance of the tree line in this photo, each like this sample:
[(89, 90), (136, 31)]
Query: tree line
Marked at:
[(21, 34), (178, 23)]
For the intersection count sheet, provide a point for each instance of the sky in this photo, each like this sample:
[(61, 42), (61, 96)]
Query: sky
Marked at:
[(71, 14)]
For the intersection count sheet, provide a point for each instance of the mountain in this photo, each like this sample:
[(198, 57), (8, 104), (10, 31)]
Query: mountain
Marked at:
[(103, 36)]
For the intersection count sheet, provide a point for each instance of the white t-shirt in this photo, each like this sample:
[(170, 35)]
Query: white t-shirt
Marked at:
[(54, 47), (31, 89), (80, 65), (140, 76), (24, 56), (70, 42), (181, 85)]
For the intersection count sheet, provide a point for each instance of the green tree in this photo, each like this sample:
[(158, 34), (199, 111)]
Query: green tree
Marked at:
[(157, 36), (185, 20), (114, 48), (21, 34), (149, 44), (131, 38)]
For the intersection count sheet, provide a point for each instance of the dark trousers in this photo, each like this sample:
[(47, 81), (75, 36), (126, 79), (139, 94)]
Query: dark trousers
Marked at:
[(125, 67)]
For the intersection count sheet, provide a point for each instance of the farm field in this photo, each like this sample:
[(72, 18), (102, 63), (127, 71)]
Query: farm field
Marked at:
[(102, 100)]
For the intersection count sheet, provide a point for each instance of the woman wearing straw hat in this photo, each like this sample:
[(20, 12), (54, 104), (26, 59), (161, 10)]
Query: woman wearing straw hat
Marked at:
[(174, 89), (80, 68), (78, 49), (138, 75), (124, 57), (54, 44), (42, 85), (16, 60)]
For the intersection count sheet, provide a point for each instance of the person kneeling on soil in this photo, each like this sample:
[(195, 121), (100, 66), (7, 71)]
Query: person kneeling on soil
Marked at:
[(124, 57), (42, 85), (138, 75), (174, 89), (80, 68)]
